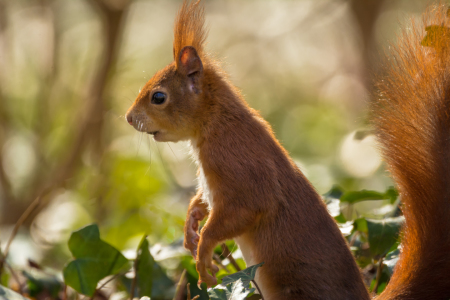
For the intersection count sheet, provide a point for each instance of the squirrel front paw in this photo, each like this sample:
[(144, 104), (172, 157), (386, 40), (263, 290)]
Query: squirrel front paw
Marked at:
[(205, 277), (191, 239)]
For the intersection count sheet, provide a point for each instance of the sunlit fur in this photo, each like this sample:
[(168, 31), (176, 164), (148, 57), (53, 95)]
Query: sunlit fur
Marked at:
[(250, 189), (412, 120), (189, 28)]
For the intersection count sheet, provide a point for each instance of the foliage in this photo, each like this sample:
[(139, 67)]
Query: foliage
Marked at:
[(145, 262), (374, 242), (42, 284), (235, 290), (94, 260), (246, 275), (358, 196), (235, 286)]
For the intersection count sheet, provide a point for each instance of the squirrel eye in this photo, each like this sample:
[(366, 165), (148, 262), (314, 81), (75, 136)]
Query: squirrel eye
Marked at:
[(158, 98)]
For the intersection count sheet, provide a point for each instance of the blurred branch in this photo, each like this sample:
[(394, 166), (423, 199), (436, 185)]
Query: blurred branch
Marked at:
[(218, 261), (378, 277), (188, 288), (92, 120), (180, 294), (13, 206), (26, 214), (42, 111), (227, 254), (366, 14), (134, 282), (16, 278), (257, 287), (5, 185), (21, 220), (89, 126), (41, 116)]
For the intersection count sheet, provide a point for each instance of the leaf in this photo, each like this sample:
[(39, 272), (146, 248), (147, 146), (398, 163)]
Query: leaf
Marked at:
[(392, 194), (362, 134), (391, 260), (7, 294), (233, 291), (335, 193), (254, 297), (383, 234), (162, 286), (437, 36), (334, 208), (332, 201), (144, 269), (195, 291), (218, 293), (4, 279), (246, 275), (340, 218), (94, 260), (360, 225), (346, 228), (358, 196), (42, 284)]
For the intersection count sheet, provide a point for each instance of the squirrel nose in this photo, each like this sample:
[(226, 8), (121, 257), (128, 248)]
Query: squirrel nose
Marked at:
[(129, 119)]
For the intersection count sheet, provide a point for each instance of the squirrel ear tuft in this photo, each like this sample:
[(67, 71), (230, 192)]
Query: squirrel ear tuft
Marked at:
[(189, 62)]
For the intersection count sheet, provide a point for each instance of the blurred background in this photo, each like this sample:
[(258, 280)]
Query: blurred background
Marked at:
[(69, 70)]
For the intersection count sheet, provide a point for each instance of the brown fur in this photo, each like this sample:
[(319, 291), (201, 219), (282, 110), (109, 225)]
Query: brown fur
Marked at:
[(252, 191), (412, 120), (249, 187), (189, 28)]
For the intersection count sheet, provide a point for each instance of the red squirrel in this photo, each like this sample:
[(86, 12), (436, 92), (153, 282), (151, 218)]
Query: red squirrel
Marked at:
[(250, 190)]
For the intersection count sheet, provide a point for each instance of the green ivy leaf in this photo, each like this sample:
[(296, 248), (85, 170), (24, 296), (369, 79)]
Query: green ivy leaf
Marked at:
[(360, 225), (335, 193), (233, 291), (7, 294), (162, 286), (383, 234), (161, 283), (246, 275), (144, 269), (94, 260), (4, 279), (391, 260), (357, 196), (195, 291), (391, 194), (42, 284), (218, 293)]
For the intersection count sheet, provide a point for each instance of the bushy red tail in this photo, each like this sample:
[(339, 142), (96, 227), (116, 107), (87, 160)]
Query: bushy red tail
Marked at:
[(412, 120)]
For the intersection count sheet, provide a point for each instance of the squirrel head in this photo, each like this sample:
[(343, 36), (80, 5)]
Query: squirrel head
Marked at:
[(170, 104), (167, 105)]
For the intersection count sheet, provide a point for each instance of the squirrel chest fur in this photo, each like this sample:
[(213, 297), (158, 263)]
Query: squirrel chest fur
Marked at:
[(202, 182)]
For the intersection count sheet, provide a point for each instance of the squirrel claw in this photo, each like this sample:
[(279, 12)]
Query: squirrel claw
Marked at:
[(199, 284)]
